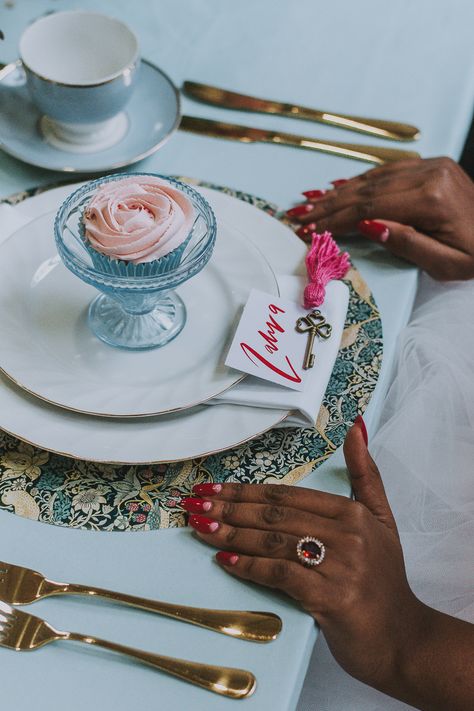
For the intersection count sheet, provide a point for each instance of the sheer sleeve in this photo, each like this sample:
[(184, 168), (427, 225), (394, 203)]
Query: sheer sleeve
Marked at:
[(424, 448)]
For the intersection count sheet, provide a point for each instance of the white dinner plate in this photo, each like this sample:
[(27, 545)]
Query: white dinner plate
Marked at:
[(49, 350), (177, 436)]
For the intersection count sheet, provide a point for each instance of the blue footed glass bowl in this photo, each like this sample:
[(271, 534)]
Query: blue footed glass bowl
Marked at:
[(134, 311)]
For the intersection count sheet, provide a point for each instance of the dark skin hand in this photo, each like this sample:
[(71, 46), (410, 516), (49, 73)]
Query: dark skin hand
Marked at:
[(427, 207), (376, 628)]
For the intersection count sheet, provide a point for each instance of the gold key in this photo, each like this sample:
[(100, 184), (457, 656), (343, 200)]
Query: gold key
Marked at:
[(314, 324)]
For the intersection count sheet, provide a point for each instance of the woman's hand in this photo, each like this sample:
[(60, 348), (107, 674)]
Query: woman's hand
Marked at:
[(376, 628), (359, 592), (421, 210)]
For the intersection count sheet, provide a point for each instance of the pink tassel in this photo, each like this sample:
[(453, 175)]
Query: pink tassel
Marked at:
[(324, 262)]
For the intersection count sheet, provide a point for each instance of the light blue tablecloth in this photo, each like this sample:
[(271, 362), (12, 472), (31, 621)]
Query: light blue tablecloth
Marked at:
[(405, 60)]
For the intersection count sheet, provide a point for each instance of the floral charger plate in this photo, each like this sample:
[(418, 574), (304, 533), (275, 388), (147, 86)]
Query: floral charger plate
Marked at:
[(54, 489)]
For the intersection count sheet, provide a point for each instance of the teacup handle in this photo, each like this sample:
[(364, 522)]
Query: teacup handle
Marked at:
[(7, 69)]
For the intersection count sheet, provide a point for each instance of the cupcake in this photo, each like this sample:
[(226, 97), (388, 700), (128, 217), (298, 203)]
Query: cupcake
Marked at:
[(137, 226)]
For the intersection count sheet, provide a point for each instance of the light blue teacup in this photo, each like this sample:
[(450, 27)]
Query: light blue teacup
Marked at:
[(81, 69)]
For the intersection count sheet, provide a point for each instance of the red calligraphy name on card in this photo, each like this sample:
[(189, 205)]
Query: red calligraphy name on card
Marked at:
[(271, 346)]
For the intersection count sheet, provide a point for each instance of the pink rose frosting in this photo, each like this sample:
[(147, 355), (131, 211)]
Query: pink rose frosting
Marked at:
[(138, 219)]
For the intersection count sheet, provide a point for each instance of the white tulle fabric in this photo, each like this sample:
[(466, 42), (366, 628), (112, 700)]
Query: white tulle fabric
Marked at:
[(424, 448)]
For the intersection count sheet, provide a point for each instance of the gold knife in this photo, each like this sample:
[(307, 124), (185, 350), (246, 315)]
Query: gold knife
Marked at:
[(231, 100), (246, 134)]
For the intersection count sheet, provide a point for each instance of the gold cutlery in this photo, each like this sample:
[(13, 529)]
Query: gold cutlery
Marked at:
[(22, 586), (231, 100), (23, 632), (246, 134)]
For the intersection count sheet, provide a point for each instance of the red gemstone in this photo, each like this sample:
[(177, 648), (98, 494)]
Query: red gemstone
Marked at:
[(311, 550)]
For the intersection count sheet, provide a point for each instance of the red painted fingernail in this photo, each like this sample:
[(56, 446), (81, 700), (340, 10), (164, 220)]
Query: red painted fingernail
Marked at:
[(341, 181), (207, 489), (376, 231), (195, 505), (314, 194), (299, 210), (227, 558), (359, 421), (306, 231), (203, 524)]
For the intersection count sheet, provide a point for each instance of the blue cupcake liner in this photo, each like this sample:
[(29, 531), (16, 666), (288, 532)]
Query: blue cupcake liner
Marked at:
[(122, 268)]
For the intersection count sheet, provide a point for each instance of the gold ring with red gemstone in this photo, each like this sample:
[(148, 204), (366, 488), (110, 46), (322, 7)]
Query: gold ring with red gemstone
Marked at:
[(310, 551)]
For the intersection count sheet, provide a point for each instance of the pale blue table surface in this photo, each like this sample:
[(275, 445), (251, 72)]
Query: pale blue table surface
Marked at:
[(404, 60)]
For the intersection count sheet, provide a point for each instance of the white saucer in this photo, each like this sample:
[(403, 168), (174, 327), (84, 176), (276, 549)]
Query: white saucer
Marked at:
[(49, 350), (181, 435), (152, 115)]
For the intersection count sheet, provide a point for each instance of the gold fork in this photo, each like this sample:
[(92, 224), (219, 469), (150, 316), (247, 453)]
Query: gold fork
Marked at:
[(22, 586), (22, 632)]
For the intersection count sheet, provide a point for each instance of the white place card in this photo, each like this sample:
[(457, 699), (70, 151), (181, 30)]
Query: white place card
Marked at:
[(266, 343)]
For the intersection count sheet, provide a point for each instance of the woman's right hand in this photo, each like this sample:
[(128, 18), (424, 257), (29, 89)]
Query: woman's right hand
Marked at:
[(420, 210), (359, 595)]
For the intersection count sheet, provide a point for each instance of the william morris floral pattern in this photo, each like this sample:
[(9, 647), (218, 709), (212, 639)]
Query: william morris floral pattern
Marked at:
[(66, 492)]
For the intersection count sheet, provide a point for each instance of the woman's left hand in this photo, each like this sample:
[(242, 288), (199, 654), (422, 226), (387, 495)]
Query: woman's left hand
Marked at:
[(419, 209), (358, 593)]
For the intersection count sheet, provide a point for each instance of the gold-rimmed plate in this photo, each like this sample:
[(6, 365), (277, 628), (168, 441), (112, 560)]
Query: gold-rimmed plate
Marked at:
[(49, 351), (187, 434)]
